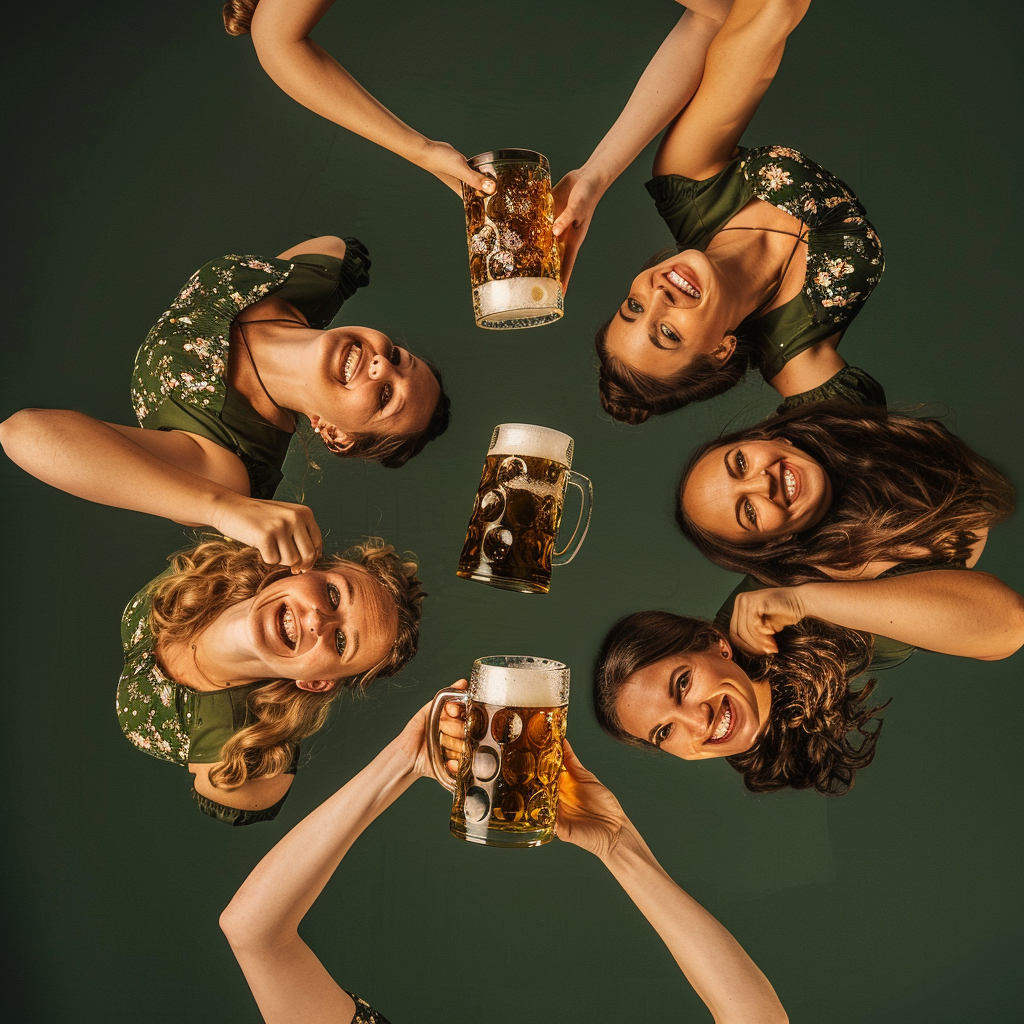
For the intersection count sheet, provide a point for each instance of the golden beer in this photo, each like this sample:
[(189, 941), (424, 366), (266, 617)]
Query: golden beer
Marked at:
[(510, 540), (514, 263), (506, 788)]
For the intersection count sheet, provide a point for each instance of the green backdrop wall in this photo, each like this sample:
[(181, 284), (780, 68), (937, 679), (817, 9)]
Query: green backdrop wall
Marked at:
[(142, 141)]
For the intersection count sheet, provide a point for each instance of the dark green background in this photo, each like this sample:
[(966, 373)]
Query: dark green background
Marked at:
[(142, 142)]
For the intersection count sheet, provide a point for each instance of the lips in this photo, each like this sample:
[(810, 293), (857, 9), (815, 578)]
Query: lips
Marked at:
[(790, 478), (725, 724), (682, 279), (287, 627), (351, 363)]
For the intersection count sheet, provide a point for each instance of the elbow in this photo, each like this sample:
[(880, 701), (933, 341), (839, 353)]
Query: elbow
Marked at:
[(788, 12), (1010, 637), (18, 432), (231, 924)]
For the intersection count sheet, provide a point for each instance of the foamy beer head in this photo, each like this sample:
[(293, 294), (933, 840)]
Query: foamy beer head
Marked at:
[(510, 540), (514, 263), (506, 790)]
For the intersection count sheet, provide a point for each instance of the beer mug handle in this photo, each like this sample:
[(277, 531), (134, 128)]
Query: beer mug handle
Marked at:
[(437, 759), (586, 489)]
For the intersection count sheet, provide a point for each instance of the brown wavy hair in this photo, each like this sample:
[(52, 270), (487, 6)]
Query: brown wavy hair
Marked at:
[(238, 16), (816, 716), (903, 489), (632, 397), (217, 573)]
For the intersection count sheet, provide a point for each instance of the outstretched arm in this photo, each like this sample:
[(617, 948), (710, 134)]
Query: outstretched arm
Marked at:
[(721, 973), (311, 76), (171, 473), (665, 87), (951, 611), (288, 982)]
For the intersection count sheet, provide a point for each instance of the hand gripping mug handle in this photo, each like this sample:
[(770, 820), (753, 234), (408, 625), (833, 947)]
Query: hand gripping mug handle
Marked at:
[(586, 489), (437, 758)]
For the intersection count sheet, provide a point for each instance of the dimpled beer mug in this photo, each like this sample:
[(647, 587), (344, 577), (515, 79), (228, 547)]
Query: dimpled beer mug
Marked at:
[(510, 541), (506, 788), (514, 264)]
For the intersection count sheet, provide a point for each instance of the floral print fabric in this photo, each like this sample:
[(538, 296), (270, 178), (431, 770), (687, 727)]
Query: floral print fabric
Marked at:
[(365, 1013)]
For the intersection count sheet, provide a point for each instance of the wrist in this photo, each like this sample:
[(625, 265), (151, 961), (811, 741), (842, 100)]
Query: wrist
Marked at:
[(213, 504), (598, 176)]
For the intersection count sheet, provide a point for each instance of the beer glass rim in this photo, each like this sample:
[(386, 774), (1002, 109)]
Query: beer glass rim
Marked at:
[(520, 155), (524, 662)]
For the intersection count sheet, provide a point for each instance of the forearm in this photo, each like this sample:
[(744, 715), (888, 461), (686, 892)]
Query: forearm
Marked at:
[(90, 459), (666, 86), (721, 973), (312, 77), (963, 612), (272, 901)]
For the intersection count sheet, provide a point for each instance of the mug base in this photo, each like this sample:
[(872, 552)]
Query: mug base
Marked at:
[(495, 837), (519, 586)]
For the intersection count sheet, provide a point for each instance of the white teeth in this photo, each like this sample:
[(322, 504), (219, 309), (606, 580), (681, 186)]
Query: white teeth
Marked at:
[(723, 725), (789, 482), (288, 628), (683, 284), (350, 363)]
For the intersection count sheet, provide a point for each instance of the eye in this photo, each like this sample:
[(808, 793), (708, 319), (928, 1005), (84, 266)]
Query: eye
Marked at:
[(633, 306), (668, 332), (682, 683), (333, 595), (748, 511), (340, 641), (385, 394), (741, 463), (662, 734)]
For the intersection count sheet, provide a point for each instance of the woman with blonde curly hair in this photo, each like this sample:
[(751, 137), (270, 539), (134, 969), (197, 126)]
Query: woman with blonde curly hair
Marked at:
[(230, 662), (771, 688)]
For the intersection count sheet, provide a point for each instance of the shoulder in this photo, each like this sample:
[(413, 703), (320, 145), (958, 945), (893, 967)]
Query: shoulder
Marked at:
[(254, 801)]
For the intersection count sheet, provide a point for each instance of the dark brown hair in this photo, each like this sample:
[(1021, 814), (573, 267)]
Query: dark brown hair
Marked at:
[(238, 16), (217, 573), (815, 713), (902, 489)]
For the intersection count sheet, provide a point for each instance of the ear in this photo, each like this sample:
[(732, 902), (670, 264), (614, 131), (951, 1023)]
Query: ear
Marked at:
[(721, 355), (336, 440), (724, 649), (316, 685)]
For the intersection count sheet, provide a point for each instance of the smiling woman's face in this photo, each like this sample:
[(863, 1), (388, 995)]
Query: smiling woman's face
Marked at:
[(756, 491), (695, 705), (323, 624), (365, 384), (674, 313)]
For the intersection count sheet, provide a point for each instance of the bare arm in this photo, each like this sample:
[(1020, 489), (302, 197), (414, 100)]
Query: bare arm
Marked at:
[(288, 982), (665, 87), (963, 612), (312, 77), (741, 62), (721, 973), (172, 474)]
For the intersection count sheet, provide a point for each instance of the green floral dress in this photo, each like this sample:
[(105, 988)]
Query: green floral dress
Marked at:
[(844, 254), (365, 1013), (180, 378), (171, 721)]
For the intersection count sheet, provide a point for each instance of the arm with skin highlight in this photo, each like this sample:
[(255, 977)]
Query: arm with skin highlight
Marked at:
[(311, 76), (951, 611)]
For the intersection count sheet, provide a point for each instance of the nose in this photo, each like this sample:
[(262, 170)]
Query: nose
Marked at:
[(763, 483), (381, 366), (314, 620)]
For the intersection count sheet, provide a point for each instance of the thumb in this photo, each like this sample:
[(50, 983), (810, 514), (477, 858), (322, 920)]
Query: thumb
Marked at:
[(479, 182), (563, 221)]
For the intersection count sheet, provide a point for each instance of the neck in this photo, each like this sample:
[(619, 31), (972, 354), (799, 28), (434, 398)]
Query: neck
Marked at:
[(223, 652), (749, 268), (271, 368)]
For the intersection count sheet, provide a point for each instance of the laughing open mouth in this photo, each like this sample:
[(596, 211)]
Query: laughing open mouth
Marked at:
[(682, 284), (790, 484), (351, 362), (287, 627), (724, 728)]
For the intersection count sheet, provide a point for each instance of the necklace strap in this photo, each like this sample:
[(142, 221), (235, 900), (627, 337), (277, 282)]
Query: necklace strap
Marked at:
[(255, 368)]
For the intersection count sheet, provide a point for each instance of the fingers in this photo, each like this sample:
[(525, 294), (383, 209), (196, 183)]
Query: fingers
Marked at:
[(479, 182)]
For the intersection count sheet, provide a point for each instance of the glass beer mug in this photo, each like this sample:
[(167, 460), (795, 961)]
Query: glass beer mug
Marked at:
[(514, 264), (510, 541), (506, 788)]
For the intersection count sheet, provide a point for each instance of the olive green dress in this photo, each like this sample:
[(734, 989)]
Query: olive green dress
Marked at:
[(844, 254), (180, 378), (173, 722)]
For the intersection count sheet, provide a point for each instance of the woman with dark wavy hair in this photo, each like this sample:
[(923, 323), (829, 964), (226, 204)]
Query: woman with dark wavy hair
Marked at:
[(775, 254), (230, 662), (839, 491), (779, 701)]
